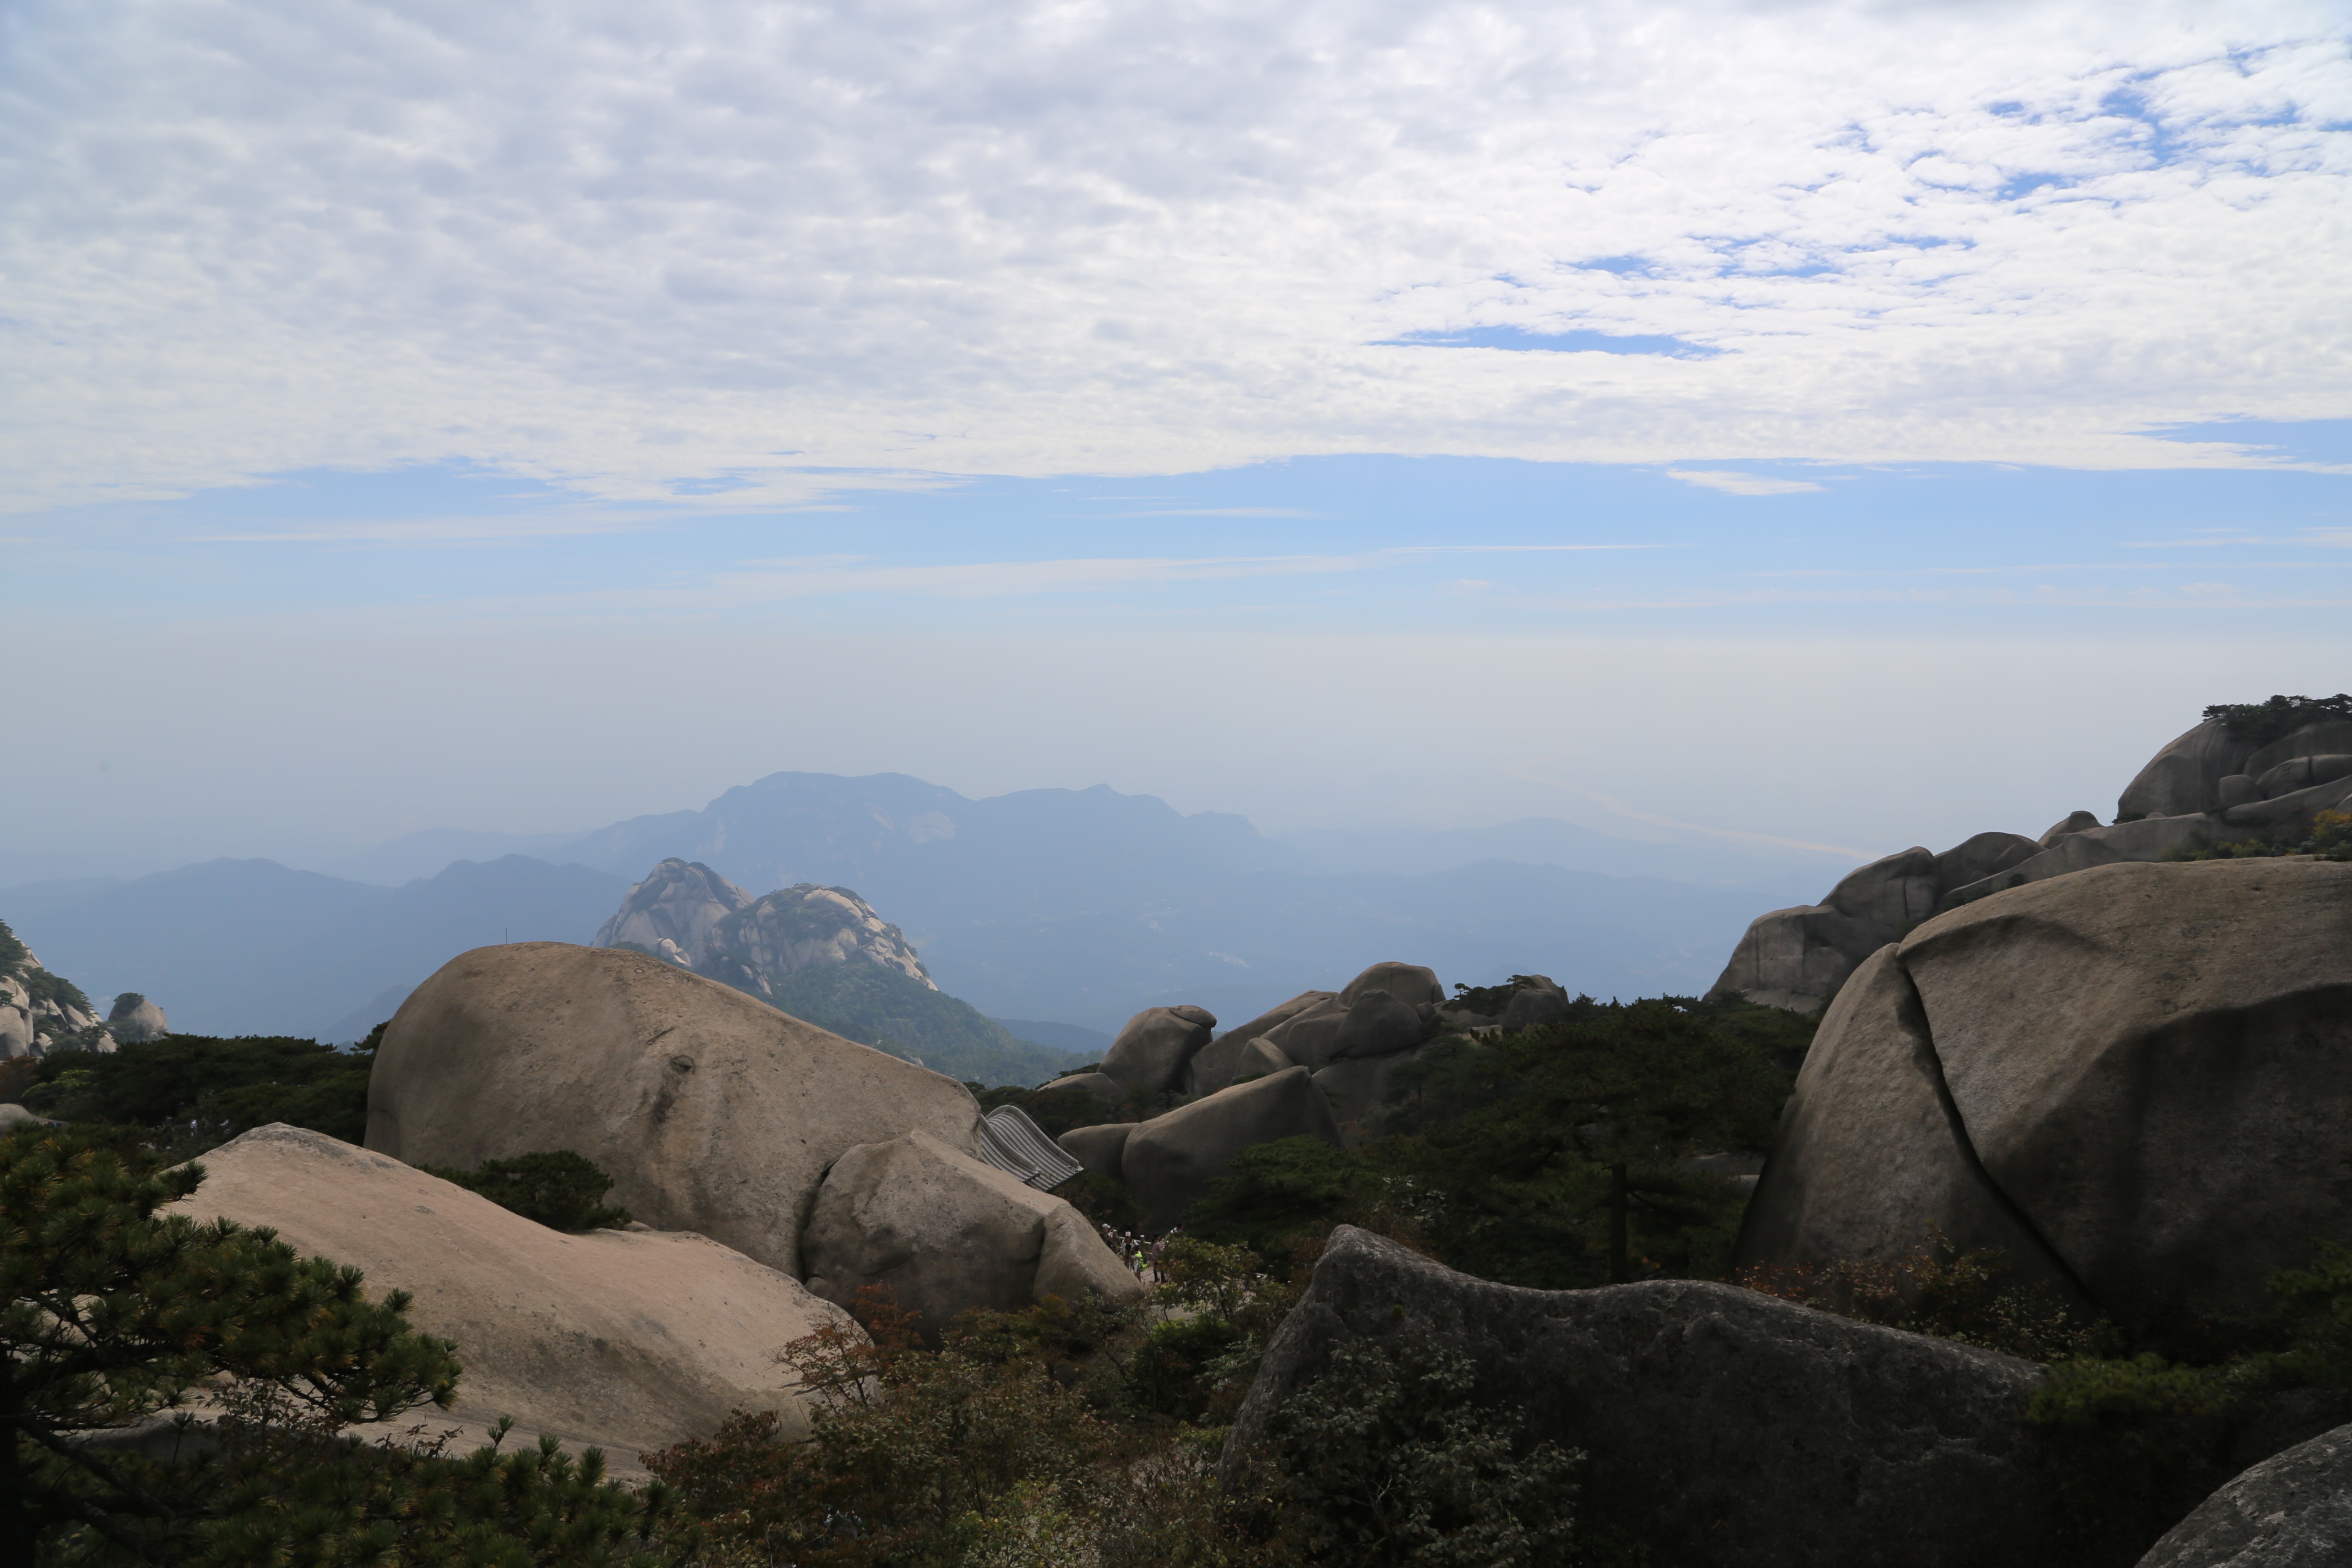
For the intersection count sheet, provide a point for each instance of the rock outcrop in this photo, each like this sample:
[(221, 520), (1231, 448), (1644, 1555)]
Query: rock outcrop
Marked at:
[(1211, 1068), (671, 913), (1100, 1150), (712, 1111), (631, 1341), (2209, 785), (1169, 1161), (687, 913), (1722, 1428), (949, 1234), (134, 1017), (2137, 1081), (1150, 1054), (2291, 1510), (41, 1012)]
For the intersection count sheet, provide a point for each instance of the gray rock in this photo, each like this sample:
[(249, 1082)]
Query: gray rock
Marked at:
[(1723, 1428), (678, 902), (1100, 1085), (1871, 1154), (1378, 1025), (1169, 1160), (2300, 773), (2151, 1063), (1311, 1037), (1258, 1058), (2238, 789), (15, 1116), (1986, 855), (136, 1018), (712, 1111), (1099, 1148), (1533, 1006), (1213, 1067), (2296, 807), (2330, 737), (949, 1234), (1151, 1052), (1359, 1091), (1409, 983), (1798, 958), (2186, 776), (2151, 838), (802, 927), (2291, 1510), (1890, 894), (2076, 822)]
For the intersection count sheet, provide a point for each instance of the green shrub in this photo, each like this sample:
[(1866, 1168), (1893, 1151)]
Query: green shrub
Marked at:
[(2260, 723), (223, 1085), (560, 1189), (1173, 1372)]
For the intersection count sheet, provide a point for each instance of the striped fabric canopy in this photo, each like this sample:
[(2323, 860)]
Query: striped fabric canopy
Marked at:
[(1018, 1146)]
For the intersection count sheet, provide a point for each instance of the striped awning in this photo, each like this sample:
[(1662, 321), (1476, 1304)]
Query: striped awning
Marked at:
[(1019, 1147)]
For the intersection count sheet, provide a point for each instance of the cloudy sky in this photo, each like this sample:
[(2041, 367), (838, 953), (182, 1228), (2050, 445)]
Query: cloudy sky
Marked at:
[(1856, 424)]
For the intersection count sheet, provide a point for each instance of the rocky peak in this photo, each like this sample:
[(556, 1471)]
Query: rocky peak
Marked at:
[(805, 927), (671, 913), (41, 1012), (134, 1017)]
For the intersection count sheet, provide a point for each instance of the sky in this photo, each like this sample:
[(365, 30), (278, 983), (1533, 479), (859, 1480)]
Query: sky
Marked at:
[(1850, 424)]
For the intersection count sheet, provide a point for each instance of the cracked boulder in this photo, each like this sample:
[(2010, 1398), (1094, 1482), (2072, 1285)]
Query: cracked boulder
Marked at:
[(2291, 1510), (2137, 1081), (1152, 1051), (712, 1111), (1169, 1161)]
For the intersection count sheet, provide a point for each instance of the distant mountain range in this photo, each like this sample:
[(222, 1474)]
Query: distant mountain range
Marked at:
[(1073, 907)]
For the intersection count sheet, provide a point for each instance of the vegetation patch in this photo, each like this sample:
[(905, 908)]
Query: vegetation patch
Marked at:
[(2260, 723)]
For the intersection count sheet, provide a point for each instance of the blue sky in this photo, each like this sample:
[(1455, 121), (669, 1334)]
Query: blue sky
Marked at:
[(1847, 423)]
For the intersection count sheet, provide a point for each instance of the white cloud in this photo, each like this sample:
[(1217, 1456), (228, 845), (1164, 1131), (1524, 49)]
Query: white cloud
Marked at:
[(1738, 484), (620, 245)]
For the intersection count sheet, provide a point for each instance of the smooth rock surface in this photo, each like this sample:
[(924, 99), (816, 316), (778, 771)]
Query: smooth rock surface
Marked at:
[(1533, 1006), (2294, 806), (1312, 1036), (949, 1234), (1100, 1085), (628, 1340), (133, 1017), (1378, 1025), (1098, 1149), (1889, 894), (15, 1116), (1797, 958), (1258, 1058), (1212, 1067), (712, 1111), (1985, 855), (2186, 775), (1149, 1055), (2291, 1510), (2075, 822), (1411, 983), (1358, 1090), (1169, 1160), (1723, 1428)]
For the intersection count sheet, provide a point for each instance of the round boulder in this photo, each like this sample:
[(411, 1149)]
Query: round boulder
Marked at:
[(1098, 1148), (1533, 1006), (711, 1112), (1411, 983), (2291, 1510), (1378, 1025), (1170, 1160), (136, 1018), (1150, 1056)]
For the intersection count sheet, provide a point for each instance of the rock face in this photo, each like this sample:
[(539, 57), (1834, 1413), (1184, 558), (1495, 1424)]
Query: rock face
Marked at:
[(1377, 1025), (712, 1111), (1098, 1149), (949, 1234), (136, 1018), (1169, 1160), (2146, 1069), (628, 1340), (1409, 983), (38, 1011), (1358, 1089), (1213, 1066), (1100, 1085), (1150, 1054), (1723, 1428), (805, 927), (2291, 1510), (678, 905), (15, 1116), (1533, 1006)]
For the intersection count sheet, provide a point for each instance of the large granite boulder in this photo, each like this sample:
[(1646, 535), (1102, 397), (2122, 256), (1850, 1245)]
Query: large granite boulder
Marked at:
[(2072, 822), (1378, 1025), (1169, 1160), (678, 903), (1540, 1001), (1986, 855), (1798, 958), (2291, 1510), (1098, 1149), (712, 1111), (1094, 1085), (949, 1234), (1212, 1067), (2186, 775), (1893, 894), (15, 1116), (2145, 1067), (1411, 983), (134, 1017), (1150, 1054), (631, 1341), (801, 927), (1722, 1428), (1311, 1035), (1358, 1090)]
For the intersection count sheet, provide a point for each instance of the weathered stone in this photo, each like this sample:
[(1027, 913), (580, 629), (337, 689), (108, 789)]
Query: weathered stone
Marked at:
[(1871, 1154), (1098, 1085), (1533, 1006), (1378, 1025), (2151, 838), (2154, 1062), (2302, 773), (1722, 1428), (2075, 822), (1409, 983), (2330, 737), (1986, 855), (1889, 894), (631, 1341), (680, 901), (16, 1116), (1099, 1148), (1258, 1058), (803, 927), (949, 1234), (1213, 1067), (1170, 1160), (1359, 1091), (1798, 958), (2186, 776), (2296, 807), (2291, 1510), (712, 1111), (136, 1018), (1150, 1056), (2238, 789), (1311, 1037)]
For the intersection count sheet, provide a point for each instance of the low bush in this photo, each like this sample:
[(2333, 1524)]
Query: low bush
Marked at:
[(560, 1189)]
